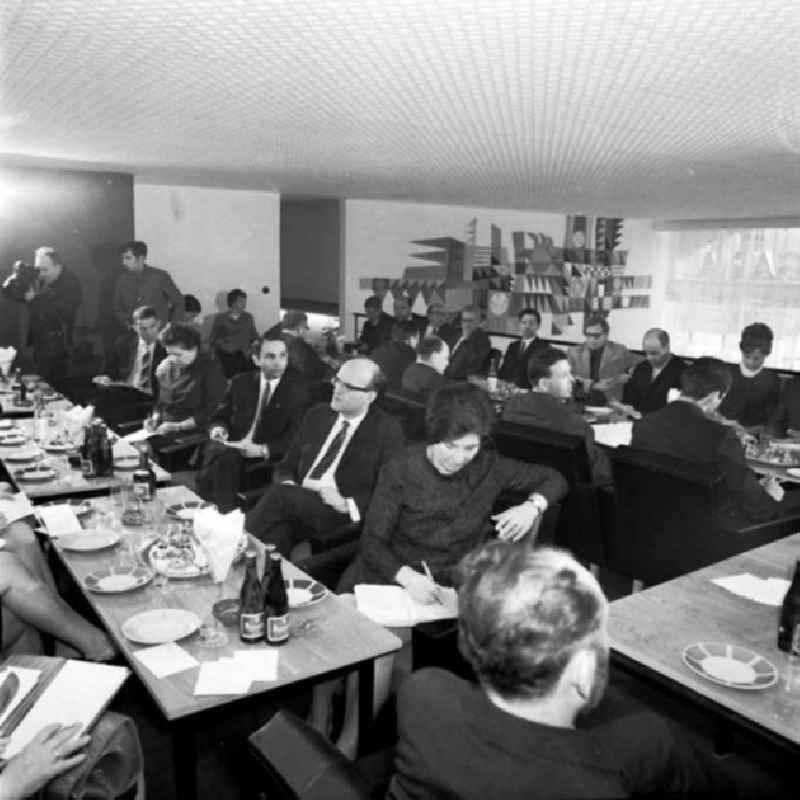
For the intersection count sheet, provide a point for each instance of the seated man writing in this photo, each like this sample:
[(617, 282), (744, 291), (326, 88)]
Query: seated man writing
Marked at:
[(532, 624), (327, 476), (257, 418)]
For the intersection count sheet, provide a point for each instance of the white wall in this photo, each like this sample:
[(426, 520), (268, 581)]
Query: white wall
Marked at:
[(212, 241), (379, 236)]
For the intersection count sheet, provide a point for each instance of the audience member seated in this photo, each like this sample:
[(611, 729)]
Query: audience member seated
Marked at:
[(469, 349), (143, 285), (258, 417), (549, 405), (754, 392), (192, 311), (600, 365), (327, 476), (426, 374), (684, 430), (437, 323), (653, 378), (129, 386), (786, 419), (403, 313), (395, 356), (190, 382), (232, 331), (302, 356), (533, 625), (515, 362), (377, 327)]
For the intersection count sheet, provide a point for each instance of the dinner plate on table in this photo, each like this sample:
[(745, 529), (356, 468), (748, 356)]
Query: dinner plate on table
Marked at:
[(160, 625), (186, 510), (126, 463), (31, 378), (794, 472), (59, 447), (730, 665), (23, 456), (35, 475), (8, 425), (81, 508), (116, 580), (304, 592), (599, 411), (12, 439), (89, 541)]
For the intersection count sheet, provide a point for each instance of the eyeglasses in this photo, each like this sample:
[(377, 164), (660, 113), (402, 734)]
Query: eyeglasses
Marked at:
[(337, 381)]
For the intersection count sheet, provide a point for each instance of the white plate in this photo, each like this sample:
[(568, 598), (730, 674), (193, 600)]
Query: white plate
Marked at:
[(793, 471), (88, 541), (21, 456), (126, 462), (117, 580), (34, 475), (12, 439), (7, 424), (599, 411), (59, 447), (730, 665), (161, 625), (304, 592)]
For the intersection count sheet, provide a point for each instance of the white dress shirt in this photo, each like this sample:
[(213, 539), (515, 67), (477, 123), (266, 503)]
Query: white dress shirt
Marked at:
[(142, 349)]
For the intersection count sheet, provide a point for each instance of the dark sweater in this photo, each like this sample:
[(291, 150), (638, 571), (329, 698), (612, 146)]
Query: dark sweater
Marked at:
[(417, 514), (646, 394), (751, 401), (193, 391)]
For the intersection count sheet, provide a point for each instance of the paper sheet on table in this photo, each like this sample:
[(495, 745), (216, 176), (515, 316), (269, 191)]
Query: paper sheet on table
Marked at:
[(124, 449), (27, 680), (394, 606), (60, 520), (613, 434), (14, 507), (260, 665), (137, 436), (222, 677), (164, 660), (769, 591)]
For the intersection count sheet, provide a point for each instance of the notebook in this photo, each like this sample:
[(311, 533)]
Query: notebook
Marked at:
[(393, 605)]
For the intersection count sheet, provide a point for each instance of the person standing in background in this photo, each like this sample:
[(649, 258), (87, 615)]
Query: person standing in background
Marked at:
[(377, 328), (232, 333)]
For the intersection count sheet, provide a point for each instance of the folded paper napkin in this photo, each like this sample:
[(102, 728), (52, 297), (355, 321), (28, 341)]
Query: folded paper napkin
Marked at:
[(7, 355), (769, 591), (60, 520), (219, 535), (76, 419)]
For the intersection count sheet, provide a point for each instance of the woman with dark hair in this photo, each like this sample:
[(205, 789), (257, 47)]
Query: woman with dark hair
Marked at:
[(754, 391), (232, 332)]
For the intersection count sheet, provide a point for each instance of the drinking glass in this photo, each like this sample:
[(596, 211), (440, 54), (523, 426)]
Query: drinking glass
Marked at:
[(211, 632)]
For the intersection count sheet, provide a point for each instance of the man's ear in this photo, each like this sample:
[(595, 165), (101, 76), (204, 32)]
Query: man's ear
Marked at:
[(582, 668)]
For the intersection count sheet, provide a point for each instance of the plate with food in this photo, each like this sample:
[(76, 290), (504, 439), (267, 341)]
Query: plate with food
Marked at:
[(730, 665), (304, 592), (160, 625), (187, 510), (116, 580), (12, 439), (89, 541), (35, 474), (180, 556)]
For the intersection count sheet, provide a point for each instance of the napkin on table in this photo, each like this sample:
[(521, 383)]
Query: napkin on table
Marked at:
[(60, 520), (769, 591), (222, 677), (164, 660), (219, 536)]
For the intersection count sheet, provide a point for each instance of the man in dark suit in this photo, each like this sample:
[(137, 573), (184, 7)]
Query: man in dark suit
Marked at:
[(469, 351), (302, 356), (426, 374), (129, 387), (683, 430), (394, 357), (402, 313), (652, 378), (255, 421), (515, 362), (326, 478), (377, 328), (437, 323)]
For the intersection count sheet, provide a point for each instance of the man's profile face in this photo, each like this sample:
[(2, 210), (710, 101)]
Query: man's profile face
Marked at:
[(352, 387), (372, 313), (272, 359), (402, 309), (559, 384), (147, 328), (132, 262), (596, 337), (528, 326), (48, 269), (655, 352)]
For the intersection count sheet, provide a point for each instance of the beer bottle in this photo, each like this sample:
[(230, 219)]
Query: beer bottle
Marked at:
[(251, 607), (23, 389), (491, 378), (144, 479), (276, 605), (790, 613), (87, 463)]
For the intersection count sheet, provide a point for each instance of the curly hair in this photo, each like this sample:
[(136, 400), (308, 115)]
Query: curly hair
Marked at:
[(523, 613), (179, 335), (756, 336), (456, 410)]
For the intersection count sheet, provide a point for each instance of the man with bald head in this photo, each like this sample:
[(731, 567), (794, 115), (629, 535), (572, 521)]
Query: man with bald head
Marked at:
[(328, 474), (652, 378)]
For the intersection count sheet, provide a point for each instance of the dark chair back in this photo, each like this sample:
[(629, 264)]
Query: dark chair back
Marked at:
[(407, 410), (579, 527)]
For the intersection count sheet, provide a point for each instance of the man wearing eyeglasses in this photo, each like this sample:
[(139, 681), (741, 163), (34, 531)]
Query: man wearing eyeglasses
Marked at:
[(326, 478)]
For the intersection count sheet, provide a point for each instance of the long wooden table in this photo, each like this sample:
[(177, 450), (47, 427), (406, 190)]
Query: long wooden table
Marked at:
[(649, 630), (339, 640)]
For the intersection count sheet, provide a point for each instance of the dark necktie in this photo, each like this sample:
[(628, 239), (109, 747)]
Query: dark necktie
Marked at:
[(329, 456), (144, 371)]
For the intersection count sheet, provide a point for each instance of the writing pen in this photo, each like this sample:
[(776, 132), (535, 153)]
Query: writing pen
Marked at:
[(429, 576)]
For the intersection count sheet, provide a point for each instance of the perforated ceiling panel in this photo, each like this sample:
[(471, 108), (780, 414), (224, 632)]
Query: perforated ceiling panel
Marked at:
[(638, 107)]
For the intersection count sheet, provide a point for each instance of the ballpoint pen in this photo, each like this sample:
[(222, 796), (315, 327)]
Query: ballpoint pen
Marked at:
[(429, 576)]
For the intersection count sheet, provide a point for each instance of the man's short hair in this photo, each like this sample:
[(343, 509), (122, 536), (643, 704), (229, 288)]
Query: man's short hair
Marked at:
[(191, 304), (374, 302), (704, 376), (269, 336), (404, 331), (456, 410), (532, 311), (144, 312), (179, 335), (540, 363), (234, 295), (139, 249), (657, 333), (473, 309), (522, 614), (293, 320), (596, 319), (429, 346), (756, 336), (48, 251)]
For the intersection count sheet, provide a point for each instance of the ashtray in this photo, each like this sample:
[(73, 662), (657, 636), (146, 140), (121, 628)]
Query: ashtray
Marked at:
[(227, 612)]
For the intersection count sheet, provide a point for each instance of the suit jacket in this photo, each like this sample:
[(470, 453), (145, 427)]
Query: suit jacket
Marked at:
[(787, 414), (421, 380), (393, 358), (421, 323), (280, 417), (53, 308), (681, 430), (373, 336), (122, 354), (446, 331), (515, 362), (616, 360), (376, 440), (304, 359), (468, 357), (151, 287), (646, 394)]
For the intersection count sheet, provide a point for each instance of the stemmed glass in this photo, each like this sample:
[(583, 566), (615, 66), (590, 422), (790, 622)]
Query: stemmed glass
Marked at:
[(212, 633)]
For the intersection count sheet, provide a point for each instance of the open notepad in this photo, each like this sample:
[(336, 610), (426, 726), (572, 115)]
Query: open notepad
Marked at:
[(394, 606)]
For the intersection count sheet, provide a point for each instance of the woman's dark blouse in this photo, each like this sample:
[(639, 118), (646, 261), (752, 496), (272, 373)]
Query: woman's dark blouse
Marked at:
[(751, 401), (417, 514), (194, 391)]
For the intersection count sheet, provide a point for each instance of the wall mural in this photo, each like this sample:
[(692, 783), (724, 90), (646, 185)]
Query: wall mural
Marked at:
[(558, 281)]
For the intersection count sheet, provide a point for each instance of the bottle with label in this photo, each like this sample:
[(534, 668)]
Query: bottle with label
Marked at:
[(276, 605), (251, 606), (491, 378), (144, 479), (87, 462), (39, 418), (23, 389), (100, 451), (790, 615)]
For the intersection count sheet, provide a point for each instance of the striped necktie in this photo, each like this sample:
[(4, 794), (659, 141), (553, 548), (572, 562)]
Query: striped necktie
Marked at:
[(329, 456), (144, 381)]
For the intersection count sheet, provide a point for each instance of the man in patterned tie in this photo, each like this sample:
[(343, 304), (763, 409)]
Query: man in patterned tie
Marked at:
[(327, 476)]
